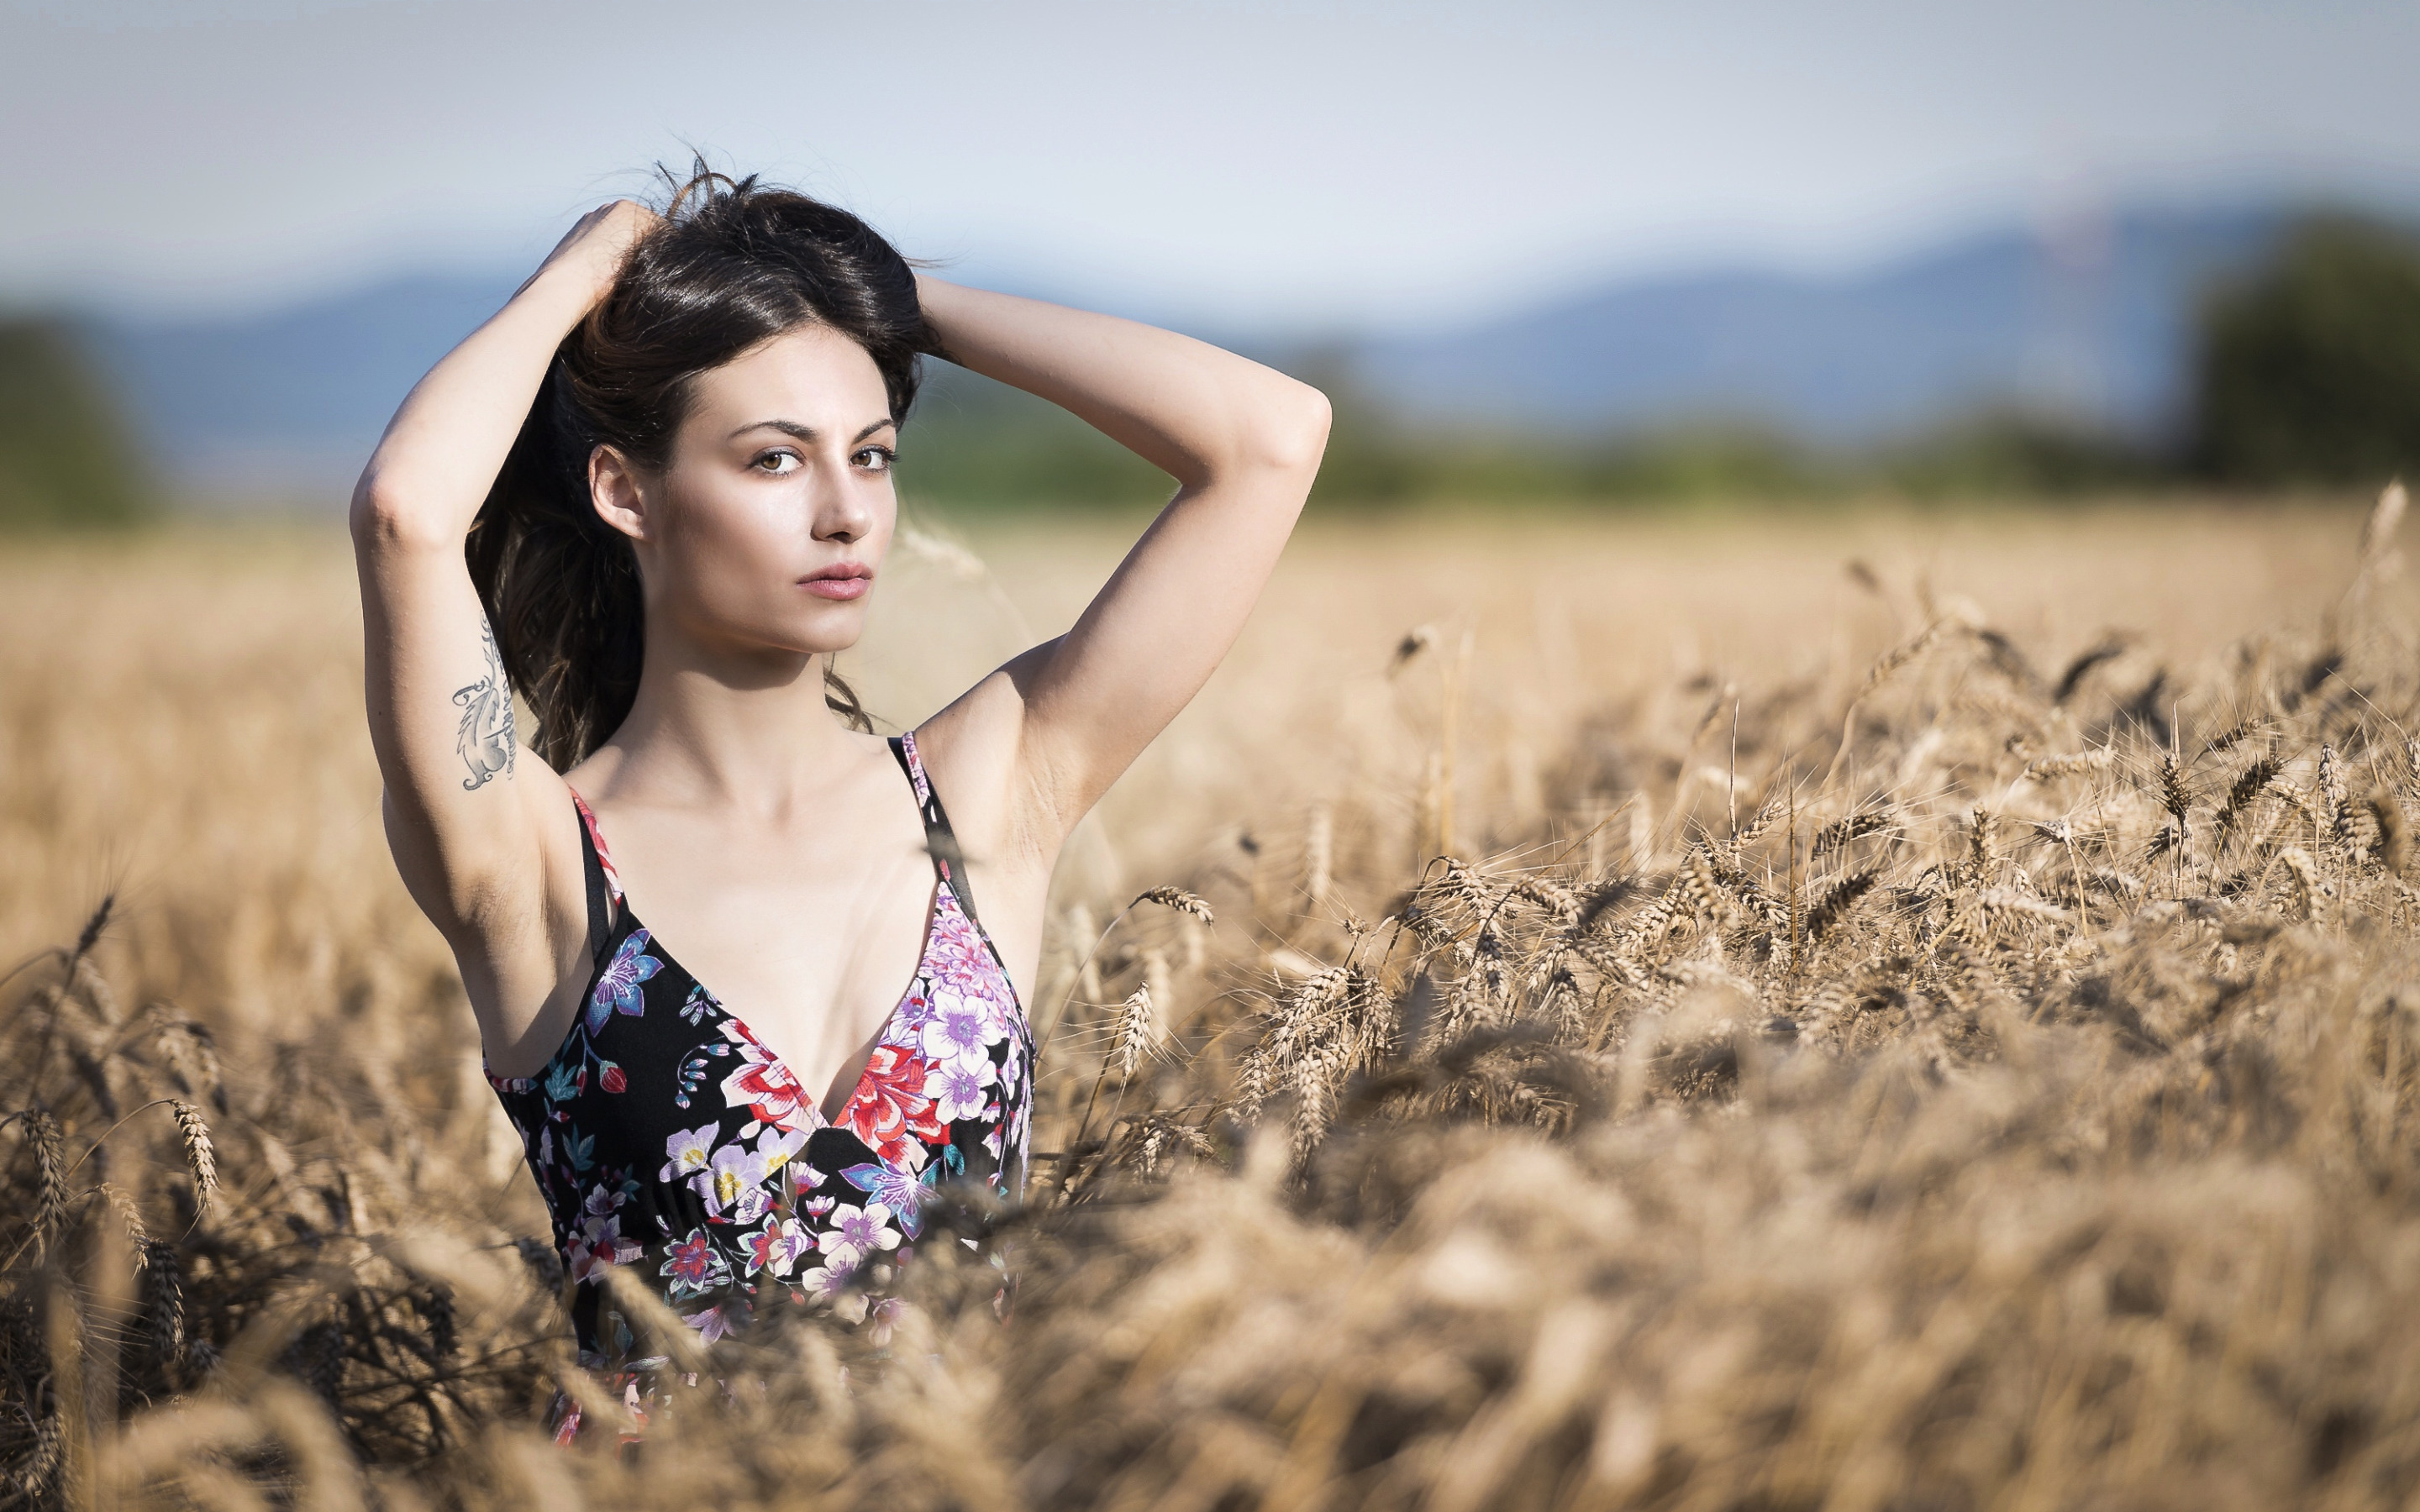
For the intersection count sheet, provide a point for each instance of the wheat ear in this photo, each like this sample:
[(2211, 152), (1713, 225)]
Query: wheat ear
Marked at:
[(201, 1157)]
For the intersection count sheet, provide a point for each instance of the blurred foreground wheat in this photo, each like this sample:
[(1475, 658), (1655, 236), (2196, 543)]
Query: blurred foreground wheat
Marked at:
[(1940, 1075)]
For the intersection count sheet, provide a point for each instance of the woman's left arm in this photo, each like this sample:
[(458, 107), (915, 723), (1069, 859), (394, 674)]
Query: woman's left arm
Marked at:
[(1243, 441)]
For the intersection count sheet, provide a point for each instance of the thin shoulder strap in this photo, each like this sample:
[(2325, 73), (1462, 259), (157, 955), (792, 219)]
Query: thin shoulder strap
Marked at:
[(604, 887), (941, 840)]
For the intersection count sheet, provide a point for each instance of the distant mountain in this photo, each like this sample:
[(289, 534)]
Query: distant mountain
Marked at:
[(2092, 320), (290, 402)]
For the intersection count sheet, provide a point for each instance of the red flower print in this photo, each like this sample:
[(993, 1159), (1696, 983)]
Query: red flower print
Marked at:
[(695, 1265), (888, 1109), (691, 1258), (761, 1082), (613, 1079)]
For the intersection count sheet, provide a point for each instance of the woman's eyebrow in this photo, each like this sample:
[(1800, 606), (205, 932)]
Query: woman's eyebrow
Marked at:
[(787, 428), (806, 433)]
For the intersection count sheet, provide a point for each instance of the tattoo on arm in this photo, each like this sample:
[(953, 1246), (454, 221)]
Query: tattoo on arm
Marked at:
[(484, 739)]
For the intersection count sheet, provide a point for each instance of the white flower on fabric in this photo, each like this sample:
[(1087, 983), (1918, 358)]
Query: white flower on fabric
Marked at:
[(685, 1152), (763, 1085), (830, 1286), (778, 1246), (778, 1146), (956, 1032), (958, 1087), (732, 1184), (854, 1233), (914, 1012), (882, 1314), (710, 1324)]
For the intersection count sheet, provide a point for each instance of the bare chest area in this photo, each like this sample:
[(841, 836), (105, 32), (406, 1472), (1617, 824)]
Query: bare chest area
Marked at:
[(810, 937)]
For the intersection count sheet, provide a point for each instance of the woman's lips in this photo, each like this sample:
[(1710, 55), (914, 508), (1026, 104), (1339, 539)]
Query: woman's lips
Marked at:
[(845, 581)]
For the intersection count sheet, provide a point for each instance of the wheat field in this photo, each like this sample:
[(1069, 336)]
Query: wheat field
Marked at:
[(1766, 1011)]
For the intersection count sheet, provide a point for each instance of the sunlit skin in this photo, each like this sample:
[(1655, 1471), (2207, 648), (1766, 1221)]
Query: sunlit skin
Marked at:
[(779, 475), (777, 854)]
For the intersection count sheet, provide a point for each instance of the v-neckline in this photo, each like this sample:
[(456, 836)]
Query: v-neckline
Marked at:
[(626, 920), (624, 915), (882, 1033)]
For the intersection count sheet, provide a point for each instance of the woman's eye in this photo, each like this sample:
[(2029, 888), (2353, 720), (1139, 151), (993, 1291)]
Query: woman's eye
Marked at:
[(777, 463), (875, 459)]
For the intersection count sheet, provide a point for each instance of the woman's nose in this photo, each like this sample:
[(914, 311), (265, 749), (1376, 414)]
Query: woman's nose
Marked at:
[(842, 514)]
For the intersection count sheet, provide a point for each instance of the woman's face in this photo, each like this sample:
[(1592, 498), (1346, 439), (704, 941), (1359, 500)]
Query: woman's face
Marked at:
[(764, 530)]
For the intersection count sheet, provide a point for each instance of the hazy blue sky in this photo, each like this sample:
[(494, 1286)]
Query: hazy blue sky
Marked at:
[(1336, 164)]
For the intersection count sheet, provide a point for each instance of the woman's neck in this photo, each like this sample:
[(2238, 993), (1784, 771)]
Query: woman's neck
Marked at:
[(745, 731)]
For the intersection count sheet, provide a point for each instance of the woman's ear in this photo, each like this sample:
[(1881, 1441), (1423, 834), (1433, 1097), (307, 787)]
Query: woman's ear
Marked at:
[(614, 489)]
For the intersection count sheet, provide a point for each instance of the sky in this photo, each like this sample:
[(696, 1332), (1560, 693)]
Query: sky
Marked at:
[(1323, 167)]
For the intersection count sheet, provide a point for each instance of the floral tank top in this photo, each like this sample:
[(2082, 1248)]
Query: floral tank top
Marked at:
[(666, 1137)]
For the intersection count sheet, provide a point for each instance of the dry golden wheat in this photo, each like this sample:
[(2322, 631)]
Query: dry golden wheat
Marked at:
[(1909, 1143)]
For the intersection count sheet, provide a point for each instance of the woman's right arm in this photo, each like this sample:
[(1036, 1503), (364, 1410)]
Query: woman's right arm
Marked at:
[(475, 822)]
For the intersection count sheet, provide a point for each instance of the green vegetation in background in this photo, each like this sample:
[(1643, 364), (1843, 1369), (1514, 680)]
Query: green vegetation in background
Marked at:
[(978, 446), (2309, 369), (2306, 371), (68, 458), (971, 444)]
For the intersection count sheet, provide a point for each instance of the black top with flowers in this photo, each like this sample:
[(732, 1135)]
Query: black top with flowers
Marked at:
[(664, 1136)]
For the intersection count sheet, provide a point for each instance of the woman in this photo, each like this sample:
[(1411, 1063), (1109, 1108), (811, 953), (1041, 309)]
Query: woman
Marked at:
[(653, 495)]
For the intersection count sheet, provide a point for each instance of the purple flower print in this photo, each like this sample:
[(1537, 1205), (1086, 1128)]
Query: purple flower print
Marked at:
[(880, 1317), (914, 1012), (957, 959), (958, 1088), (956, 1031), (893, 1193), (776, 1148), (830, 1284), (732, 1184), (599, 1243), (618, 989), (855, 1233), (778, 1246), (685, 1152), (710, 1324)]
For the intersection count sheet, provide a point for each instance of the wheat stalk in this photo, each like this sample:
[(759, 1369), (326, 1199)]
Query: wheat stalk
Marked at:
[(201, 1157), (50, 1162), (1178, 899)]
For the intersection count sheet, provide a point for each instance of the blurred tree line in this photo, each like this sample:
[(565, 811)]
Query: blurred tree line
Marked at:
[(2310, 369), (67, 455), (2306, 370)]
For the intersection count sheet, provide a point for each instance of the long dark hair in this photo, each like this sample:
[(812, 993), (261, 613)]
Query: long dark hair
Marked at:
[(733, 264)]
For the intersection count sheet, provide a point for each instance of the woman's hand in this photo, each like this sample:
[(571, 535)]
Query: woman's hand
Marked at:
[(442, 451), (599, 243)]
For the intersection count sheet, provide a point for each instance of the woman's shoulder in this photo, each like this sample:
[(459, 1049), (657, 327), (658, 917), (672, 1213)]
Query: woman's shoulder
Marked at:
[(973, 754)]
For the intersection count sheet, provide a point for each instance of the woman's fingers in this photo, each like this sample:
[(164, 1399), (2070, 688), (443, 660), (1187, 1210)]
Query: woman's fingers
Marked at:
[(602, 238)]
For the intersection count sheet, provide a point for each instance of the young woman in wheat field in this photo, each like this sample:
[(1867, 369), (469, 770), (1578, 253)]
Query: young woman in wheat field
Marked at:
[(652, 496)]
